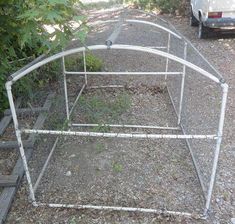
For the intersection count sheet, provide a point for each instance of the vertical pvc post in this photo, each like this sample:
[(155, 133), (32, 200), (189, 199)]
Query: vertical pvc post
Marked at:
[(182, 84), (84, 65), (168, 51), (65, 89), (19, 140), (217, 149)]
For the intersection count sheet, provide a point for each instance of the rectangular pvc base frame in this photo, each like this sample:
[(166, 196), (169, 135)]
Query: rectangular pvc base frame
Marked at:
[(163, 212)]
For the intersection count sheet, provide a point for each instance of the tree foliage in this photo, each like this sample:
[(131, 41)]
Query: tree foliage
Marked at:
[(24, 31), (165, 6)]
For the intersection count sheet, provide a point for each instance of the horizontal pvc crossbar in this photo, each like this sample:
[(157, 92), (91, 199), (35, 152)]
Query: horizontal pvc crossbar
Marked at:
[(117, 135), (118, 47), (123, 73), (108, 86), (116, 208), (125, 126)]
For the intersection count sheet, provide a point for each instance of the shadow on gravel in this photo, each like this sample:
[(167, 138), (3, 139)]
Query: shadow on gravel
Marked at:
[(100, 4), (222, 35)]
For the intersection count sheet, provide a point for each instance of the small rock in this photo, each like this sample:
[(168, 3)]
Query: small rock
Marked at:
[(177, 13), (72, 156), (68, 174)]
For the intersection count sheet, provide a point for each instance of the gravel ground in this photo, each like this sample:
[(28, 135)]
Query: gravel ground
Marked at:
[(220, 50), (109, 165)]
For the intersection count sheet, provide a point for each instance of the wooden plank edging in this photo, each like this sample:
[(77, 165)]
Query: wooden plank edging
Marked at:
[(8, 194)]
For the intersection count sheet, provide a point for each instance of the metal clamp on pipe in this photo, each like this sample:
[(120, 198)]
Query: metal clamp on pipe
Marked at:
[(109, 43), (9, 78), (222, 80)]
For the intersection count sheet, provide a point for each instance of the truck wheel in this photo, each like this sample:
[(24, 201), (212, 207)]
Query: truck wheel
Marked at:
[(203, 31), (193, 20)]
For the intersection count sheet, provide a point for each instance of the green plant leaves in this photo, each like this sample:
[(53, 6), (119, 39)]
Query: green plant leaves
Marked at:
[(97, 109), (166, 6), (23, 34), (54, 2)]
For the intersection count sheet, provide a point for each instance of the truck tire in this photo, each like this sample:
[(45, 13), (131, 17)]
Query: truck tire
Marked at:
[(193, 19), (203, 32)]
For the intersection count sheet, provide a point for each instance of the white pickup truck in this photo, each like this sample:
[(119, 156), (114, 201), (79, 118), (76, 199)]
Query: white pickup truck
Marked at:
[(212, 14)]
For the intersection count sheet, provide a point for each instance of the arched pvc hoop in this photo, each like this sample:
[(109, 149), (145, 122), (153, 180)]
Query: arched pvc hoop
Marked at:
[(169, 31), (140, 22), (117, 47), (217, 137), (155, 25)]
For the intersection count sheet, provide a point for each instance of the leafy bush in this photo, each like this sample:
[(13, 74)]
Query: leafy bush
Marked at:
[(168, 6), (165, 6), (93, 63), (24, 33), (171, 6), (38, 79), (3, 101)]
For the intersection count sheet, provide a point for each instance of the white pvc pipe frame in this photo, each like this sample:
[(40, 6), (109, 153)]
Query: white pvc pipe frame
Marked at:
[(168, 56)]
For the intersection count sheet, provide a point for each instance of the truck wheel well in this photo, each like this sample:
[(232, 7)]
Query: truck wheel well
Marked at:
[(199, 15)]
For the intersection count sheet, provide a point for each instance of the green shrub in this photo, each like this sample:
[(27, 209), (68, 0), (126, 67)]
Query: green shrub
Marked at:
[(75, 63), (168, 6), (23, 34), (165, 6), (117, 167), (93, 63), (3, 101)]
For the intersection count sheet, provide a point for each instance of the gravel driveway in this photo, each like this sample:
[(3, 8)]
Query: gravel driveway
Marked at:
[(221, 52)]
